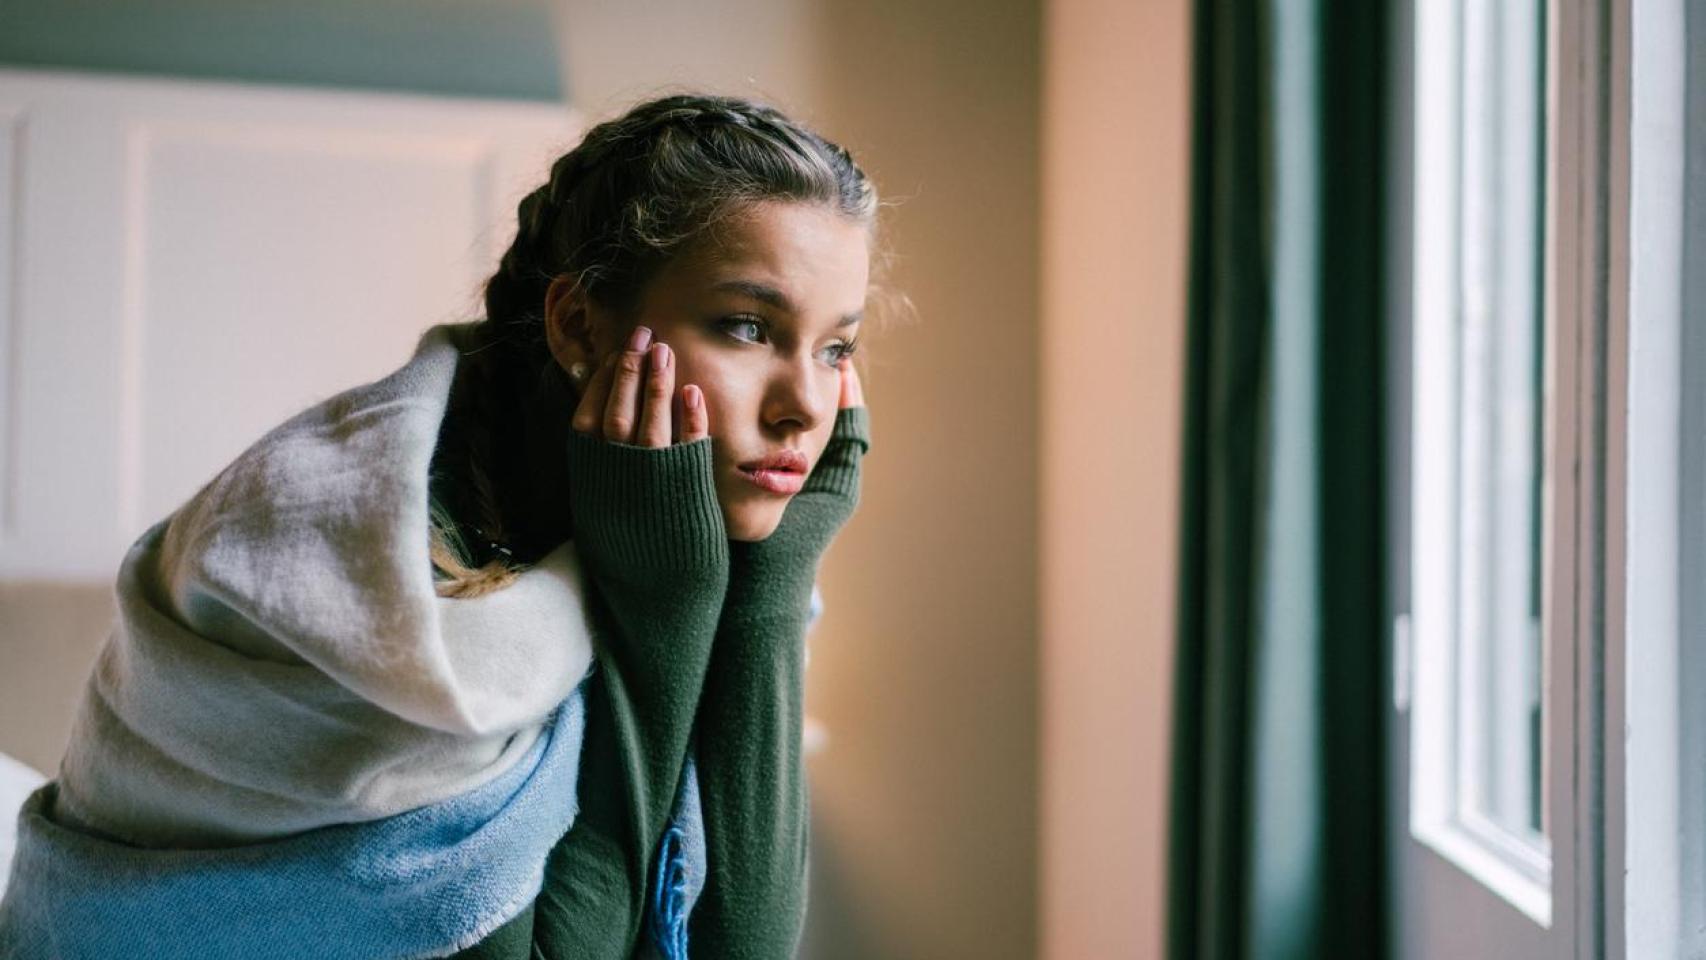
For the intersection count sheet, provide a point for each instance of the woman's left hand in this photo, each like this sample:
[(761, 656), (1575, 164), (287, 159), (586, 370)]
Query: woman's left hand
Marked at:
[(852, 391)]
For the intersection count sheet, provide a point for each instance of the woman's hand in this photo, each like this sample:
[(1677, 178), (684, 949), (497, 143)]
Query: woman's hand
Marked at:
[(837, 470), (632, 398), (852, 391), (645, 510)]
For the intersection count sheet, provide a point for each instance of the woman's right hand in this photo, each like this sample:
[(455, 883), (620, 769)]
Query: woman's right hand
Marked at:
[(632, 398), (645, 510)]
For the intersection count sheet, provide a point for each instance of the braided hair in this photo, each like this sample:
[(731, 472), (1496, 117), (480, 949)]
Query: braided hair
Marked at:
[(613, 211)]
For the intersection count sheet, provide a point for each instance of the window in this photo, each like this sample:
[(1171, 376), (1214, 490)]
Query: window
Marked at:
[(1481, 477), (1512, 357)]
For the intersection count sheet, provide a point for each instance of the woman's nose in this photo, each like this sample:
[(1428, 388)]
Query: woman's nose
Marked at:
[(800, 395)]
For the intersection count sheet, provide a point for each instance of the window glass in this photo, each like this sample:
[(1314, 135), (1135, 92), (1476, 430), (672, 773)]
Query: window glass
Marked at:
[(1501, 407)]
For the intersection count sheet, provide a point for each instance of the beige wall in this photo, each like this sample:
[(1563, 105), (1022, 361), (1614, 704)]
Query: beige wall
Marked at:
[(1115, 199), (931, 802)]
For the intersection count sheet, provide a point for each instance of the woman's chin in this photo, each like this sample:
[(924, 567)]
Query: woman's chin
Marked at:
[(751, 524)]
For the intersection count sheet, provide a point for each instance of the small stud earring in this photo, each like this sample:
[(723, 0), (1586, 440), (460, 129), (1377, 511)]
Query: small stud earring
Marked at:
[(578, 370)]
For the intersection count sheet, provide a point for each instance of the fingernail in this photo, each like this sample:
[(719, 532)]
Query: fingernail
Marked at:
[(692, 398), (639, 338), (660, 356)]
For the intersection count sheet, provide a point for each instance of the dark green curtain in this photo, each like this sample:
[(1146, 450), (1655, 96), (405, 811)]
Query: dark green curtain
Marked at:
[(1278, 822)]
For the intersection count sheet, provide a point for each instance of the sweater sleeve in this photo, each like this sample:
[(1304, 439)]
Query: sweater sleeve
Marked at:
[(651, 537), (753, 790)]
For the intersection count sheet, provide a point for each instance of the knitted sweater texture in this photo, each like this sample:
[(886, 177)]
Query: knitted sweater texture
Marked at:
[(699, 643)]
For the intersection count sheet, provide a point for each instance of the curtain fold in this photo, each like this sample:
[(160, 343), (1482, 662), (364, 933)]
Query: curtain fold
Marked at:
[(1277, 809)]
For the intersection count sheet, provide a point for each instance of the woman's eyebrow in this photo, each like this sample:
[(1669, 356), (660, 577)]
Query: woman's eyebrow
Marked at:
[(770, 296), (758, 291)]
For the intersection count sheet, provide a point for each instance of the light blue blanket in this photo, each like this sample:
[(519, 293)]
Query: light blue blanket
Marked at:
[(419, 884)]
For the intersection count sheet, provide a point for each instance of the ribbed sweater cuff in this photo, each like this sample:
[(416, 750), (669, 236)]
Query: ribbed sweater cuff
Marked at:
[(837, 471), (646, 510), (853, 423)]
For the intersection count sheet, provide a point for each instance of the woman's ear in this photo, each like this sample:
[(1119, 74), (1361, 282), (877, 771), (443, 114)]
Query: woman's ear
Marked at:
[(568, 327)]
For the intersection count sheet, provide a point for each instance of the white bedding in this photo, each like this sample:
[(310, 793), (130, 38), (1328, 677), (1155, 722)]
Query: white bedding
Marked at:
[(17, 781)]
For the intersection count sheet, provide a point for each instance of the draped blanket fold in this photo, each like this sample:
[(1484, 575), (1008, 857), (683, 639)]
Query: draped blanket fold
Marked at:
[(417, 884), (290, 745)]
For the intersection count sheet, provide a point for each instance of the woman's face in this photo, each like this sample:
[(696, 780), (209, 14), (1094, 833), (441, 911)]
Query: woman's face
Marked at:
[(758, 315)]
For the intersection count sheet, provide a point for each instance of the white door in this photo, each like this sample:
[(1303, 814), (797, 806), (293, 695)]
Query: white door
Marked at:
[(183, 265)]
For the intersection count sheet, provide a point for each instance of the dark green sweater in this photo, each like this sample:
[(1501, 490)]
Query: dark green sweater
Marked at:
[(690, 629)]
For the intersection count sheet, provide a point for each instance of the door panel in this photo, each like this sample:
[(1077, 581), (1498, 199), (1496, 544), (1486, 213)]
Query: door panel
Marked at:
[(190, 263)]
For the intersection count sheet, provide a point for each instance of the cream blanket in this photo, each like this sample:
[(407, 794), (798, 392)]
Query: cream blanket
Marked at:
[(280, 660)]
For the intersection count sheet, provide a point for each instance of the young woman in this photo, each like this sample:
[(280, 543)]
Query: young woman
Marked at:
[(503, 653)]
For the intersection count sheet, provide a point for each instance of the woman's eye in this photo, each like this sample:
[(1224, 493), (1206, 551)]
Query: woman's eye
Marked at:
[(840, 350), (834, 353), (736, 323)]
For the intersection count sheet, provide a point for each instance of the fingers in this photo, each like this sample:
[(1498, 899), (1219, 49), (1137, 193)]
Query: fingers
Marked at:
[(632, 398), (621, 418), (589, 413), (852, 391), (695, 420), (656, 397)]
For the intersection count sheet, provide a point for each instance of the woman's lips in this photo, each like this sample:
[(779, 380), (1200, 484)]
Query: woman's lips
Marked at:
[(776, 481)]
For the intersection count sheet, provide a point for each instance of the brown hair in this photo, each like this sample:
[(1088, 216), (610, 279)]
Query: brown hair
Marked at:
[(630, 196)]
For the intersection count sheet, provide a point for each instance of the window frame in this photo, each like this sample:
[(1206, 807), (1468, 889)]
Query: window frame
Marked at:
[(1656, 678)]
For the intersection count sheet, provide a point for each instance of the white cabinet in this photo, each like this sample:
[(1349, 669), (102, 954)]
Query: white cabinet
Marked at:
[(184, 265)]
